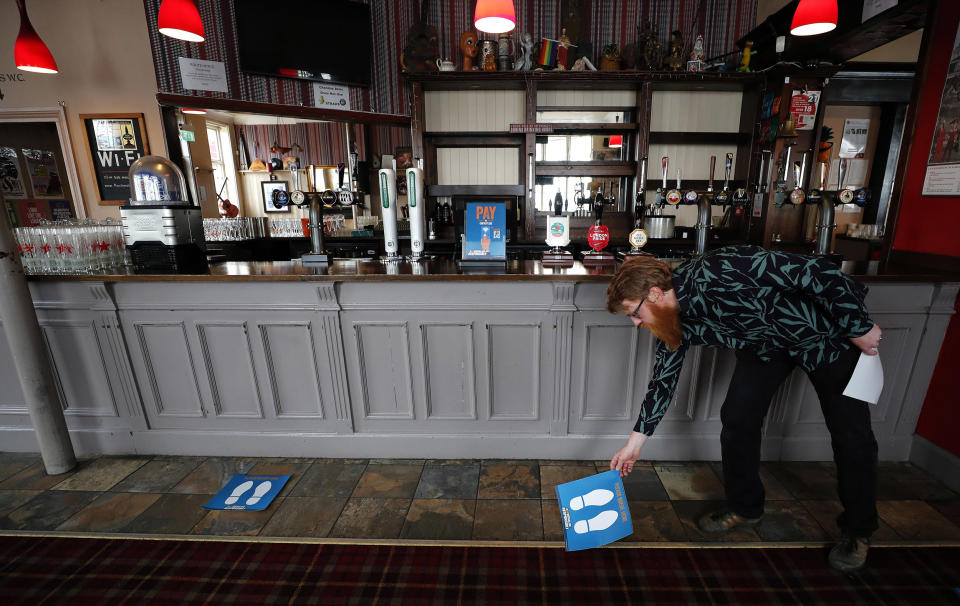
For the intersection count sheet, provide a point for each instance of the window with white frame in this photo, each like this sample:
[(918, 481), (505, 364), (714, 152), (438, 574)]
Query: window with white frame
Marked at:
[(221, 159)]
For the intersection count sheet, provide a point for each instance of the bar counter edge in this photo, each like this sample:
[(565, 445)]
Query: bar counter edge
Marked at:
[(437, 366)]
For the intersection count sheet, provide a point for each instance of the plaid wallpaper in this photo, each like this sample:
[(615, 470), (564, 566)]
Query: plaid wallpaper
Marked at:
[(722, 22)]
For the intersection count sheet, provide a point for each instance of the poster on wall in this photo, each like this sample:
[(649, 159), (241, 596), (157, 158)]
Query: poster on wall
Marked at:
[(943, 163), (853, 144), (31, 212), (44, 175), (10, 182), (116, 141), (803, 108)]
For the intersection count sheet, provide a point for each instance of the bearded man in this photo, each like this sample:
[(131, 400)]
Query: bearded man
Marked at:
[(777, 311)]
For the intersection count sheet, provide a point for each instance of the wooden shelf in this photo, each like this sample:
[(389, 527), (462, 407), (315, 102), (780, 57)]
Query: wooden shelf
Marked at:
[(581, 80), (599, 168), (702, 138)]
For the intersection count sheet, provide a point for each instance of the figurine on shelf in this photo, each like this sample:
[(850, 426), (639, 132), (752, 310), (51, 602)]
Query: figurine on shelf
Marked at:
[(421, 52), (674, 61), (563, 53), (610, 58), (695, 64), (489, 62), (526, 43), (745, 56), (468, 46), (652, 51)]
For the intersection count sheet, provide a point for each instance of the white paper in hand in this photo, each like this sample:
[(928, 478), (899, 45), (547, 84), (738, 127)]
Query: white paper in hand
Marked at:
[(867, 380)]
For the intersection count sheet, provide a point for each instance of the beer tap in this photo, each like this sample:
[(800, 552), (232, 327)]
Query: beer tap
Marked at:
[(780, 194), (798, 195), (826, 225), (846, 195), (816, 195), (639, 202), (723, 196), (674, 196), (662, 190), (713, 169), (340, 197)]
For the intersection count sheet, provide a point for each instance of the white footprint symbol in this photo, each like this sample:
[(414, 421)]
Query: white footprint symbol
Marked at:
[(239, 490), (601, 521), (600, 496), (261, 490)]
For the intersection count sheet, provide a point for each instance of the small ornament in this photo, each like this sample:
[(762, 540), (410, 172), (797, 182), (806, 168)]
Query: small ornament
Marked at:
[(468, 46), (526, 44), (674, 60), (610, 58), (745, 56)]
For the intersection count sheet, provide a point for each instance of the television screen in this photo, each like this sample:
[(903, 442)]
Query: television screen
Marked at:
[(323, 40)]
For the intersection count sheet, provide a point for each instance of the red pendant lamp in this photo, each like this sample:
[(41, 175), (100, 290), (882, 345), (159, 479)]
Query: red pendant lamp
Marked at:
[(495, 16), (29, 51), (180, 19), (814, 17)]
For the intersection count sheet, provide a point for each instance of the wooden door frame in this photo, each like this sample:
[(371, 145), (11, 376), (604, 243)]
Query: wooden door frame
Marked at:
[(58, 117)]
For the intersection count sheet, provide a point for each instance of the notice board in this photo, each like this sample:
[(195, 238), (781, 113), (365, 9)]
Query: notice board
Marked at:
[(116, 141)]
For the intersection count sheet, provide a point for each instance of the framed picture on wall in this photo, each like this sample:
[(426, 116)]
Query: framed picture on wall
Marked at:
[(115, 142), (275, 196)]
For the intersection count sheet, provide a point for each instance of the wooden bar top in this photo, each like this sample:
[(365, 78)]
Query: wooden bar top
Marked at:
[(424, 271)]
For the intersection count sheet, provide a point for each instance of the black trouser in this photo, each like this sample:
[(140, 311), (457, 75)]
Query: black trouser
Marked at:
[(854, 448)]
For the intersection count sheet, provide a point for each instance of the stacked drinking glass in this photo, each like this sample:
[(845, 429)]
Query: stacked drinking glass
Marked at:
[(72, 247)]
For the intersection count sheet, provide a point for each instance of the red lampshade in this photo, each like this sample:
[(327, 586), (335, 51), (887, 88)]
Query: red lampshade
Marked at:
[(814, 17), (29, 51), (180, 19), (495, 16), (616, 141)]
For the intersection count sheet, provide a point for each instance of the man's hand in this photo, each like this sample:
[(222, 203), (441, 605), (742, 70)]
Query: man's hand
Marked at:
[(869, 342), (624, 458)]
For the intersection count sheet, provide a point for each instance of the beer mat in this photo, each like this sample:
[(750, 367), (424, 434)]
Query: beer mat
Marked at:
[(247, 492), (594, 511)]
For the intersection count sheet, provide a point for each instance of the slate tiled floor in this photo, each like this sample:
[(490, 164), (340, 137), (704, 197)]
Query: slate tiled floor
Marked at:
[(489, 500)]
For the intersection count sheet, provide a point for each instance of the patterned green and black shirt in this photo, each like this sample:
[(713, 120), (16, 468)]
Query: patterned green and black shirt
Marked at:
[(747, 297)]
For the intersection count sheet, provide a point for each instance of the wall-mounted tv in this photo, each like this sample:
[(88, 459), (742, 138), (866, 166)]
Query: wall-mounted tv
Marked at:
[(323, 40)]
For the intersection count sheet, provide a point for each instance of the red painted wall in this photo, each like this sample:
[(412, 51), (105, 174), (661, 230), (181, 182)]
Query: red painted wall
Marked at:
[(940, 418), (929, 224)]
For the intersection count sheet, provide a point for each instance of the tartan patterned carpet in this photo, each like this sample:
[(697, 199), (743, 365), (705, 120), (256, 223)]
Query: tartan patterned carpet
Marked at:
[(76, 571)]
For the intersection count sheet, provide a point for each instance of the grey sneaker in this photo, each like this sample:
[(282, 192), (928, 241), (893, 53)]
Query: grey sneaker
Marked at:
[(849, 554), (724, 520)]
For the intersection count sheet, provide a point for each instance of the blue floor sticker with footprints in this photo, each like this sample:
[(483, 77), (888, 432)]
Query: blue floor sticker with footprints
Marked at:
[(247, 493), (594, 511)]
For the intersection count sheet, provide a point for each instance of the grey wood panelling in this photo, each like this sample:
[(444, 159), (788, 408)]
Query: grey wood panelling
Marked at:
[(608, 364), (703, 111), (587, 98), (12, 399), (292, 369), (229, 364), (384, 369), (449, 376), (478, 166), (513, 371), (80, 368), (170, 370), (473, 110)]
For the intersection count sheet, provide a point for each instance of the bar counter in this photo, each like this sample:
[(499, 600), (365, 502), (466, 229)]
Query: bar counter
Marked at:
[(426, 271), (432, 360)]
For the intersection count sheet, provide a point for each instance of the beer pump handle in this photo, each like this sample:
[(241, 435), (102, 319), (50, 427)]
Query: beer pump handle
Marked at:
[(786, 164), (760, 174), (797, 175), (713, 168), (666, 161), (843, 174), (803, 169), (340, 169), (558, 204), (728, 165), (678, 178), (824, 171), (642, 186)]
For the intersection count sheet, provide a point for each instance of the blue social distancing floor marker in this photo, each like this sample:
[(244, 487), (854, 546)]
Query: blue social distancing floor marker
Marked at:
[(247, 493), (594, 511)]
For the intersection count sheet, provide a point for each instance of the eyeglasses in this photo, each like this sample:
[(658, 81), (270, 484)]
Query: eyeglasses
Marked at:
[(636, 312)]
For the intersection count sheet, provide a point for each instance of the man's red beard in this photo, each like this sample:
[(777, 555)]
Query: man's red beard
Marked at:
[(665, 326)]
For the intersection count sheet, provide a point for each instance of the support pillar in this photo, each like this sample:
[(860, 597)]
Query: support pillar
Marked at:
[(29, 357)]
